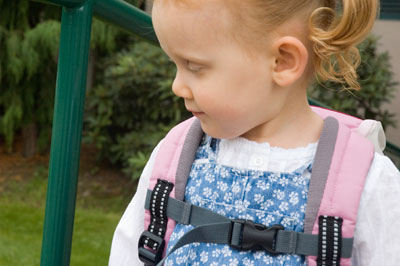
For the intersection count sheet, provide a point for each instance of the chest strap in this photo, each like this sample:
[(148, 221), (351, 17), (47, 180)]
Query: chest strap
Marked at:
[(211, 227)]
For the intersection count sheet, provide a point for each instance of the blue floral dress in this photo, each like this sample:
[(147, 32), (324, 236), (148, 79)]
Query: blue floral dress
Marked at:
[(231, 177)]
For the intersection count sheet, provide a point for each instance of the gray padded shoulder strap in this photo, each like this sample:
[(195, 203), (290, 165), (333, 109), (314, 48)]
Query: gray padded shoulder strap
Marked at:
[(186, 158), (320, 171)]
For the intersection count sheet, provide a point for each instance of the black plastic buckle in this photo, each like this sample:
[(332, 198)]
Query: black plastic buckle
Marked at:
[(247, 235), (150, 256)]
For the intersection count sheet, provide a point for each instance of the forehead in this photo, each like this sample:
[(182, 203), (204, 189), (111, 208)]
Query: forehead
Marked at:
[(180, 25)]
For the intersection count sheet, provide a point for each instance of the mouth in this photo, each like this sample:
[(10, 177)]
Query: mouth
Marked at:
[(196, 114)]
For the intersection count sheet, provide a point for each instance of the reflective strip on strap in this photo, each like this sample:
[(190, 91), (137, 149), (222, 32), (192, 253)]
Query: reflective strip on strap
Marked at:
[(330, 244), (158, 199)]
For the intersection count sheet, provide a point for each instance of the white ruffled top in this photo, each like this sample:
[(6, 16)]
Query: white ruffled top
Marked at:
[(245, 154)]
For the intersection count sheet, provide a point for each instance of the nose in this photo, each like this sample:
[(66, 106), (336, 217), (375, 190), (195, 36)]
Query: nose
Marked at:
[(180, 88)]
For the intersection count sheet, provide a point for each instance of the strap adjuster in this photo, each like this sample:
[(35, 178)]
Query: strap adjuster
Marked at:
[(247, 235), (151, 256)]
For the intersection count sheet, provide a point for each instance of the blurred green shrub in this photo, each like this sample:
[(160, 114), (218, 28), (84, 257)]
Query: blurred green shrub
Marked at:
[(377, 87), (133, 108), (29, 36), (29, 41)]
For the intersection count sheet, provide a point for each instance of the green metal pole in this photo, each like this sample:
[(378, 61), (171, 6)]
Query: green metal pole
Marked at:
[(66, 135)]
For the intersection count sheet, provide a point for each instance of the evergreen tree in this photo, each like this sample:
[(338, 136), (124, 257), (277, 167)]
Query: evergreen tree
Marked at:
[(29, 41)]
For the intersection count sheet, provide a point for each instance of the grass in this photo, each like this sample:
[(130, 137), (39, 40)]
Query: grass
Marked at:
[(22, 204)]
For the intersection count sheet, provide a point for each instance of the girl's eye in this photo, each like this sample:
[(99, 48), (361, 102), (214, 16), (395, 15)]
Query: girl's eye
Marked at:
[(193, 67)]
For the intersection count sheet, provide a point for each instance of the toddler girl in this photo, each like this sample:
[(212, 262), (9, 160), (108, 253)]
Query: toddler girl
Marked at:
[(243, 68)]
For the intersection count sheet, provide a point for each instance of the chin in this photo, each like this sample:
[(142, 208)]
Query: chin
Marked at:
[(218, 134)]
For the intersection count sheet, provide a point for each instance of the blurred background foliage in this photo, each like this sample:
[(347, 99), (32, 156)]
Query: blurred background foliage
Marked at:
[(129, 104), (29, 36), (29, 41), (133, 106)]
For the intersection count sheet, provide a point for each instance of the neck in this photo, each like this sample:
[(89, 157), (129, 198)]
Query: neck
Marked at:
[(296, 125)]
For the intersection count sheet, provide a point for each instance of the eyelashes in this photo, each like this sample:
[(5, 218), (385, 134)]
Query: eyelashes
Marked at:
[(192, 67)]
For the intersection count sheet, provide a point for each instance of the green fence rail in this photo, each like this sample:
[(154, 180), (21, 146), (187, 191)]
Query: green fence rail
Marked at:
[(68, 113)]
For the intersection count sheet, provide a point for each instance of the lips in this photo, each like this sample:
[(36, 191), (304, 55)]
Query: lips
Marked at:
[(197, 114)]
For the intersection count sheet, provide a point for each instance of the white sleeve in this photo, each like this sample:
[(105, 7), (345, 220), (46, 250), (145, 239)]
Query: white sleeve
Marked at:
[(377, 234), (124, 247)]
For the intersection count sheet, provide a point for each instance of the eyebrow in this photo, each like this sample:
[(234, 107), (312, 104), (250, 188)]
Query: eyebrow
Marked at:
[(193, 59)]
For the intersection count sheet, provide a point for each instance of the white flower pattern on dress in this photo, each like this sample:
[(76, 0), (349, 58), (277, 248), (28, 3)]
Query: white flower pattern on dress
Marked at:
[(264, 197)]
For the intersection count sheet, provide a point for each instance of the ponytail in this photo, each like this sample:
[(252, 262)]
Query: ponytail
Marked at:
[(335, 38)]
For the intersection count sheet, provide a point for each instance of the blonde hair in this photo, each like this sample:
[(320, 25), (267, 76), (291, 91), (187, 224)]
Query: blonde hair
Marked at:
[(334, 29), (335, 38)]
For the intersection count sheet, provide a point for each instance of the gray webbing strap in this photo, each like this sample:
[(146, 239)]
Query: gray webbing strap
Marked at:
[(187, 213), (186, 158), (286, 241), (320, 171), (214, 228), (209, 233), (306, 244)]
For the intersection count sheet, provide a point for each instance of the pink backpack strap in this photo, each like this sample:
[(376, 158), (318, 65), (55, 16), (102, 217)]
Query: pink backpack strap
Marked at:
[(169, 176), (182, 138), (342, 162), (348, 120)]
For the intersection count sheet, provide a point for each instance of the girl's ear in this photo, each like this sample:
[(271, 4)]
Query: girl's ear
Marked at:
[(291, 58)]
